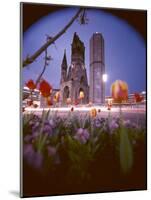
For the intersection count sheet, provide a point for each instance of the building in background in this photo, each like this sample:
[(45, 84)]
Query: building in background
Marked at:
[(27, 96), (43, 102), (130, 101), (97, 69), (73, 83), (74, 88)]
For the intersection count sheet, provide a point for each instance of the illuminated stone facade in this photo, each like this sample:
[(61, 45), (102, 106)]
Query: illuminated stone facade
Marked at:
[(97, 69), (74, 78)]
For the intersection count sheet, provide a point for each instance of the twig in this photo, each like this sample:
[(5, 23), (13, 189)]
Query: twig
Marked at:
[(40, 75), (32, 58), (44, 68)]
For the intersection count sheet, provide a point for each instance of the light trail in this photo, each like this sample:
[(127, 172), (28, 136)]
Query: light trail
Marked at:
[(86, 109)]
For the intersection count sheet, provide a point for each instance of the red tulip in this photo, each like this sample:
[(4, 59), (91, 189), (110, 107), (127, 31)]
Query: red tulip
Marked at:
[(119, 91), (45, 88), (138, 98), (49, 102), (31, 85)]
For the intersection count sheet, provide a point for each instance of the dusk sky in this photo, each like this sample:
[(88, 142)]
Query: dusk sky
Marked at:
[(125, 49)]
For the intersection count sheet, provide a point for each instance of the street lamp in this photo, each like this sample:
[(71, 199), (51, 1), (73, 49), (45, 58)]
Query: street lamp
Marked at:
[(104, 77)]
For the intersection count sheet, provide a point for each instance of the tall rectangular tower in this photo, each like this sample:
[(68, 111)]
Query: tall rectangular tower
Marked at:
[(97, 69)]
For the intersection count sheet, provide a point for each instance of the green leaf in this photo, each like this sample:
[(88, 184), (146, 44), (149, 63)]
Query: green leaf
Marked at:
[(126, 152)]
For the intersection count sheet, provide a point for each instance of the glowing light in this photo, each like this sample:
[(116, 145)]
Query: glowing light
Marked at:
[(81, 95), (143, 92), (84, 109), (105, 77)]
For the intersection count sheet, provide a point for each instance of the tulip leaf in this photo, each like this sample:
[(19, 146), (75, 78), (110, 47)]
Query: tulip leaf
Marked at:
[(126, 152)]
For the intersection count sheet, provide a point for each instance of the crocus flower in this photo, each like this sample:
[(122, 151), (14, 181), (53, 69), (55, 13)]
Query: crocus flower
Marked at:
[(45, 88), (33, 158), (97, 123), (113, 125), (127, 123), (28, 138), (82, 135), (48, 129), (31, 85), (119, 91)]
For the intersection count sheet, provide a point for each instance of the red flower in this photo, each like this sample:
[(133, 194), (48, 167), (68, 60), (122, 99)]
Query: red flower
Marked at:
[(45, 88), (138, 98), (119, 91), (31, 85), (49, 102)]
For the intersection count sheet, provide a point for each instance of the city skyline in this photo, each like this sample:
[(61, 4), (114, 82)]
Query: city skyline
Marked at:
[(128, 59)]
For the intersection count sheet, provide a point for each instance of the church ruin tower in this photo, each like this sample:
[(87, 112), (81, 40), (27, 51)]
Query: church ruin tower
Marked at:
[(75, 81), (64, 67), (97, 69), (78, 50)]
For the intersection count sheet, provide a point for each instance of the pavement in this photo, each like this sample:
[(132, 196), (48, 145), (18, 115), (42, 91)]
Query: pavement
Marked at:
[(128, 112)]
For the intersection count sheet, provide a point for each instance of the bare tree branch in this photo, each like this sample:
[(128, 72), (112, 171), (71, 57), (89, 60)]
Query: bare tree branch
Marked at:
[(44, 68), (32, 58), (47, 59)]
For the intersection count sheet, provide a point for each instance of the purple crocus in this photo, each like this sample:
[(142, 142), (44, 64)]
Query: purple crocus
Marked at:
[(82, 135), (33, 158), (113, 124), (97, 123), (28, 138), (48, 129), (127, 123)]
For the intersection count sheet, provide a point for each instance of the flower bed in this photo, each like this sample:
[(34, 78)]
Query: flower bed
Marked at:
[(82, 153)]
